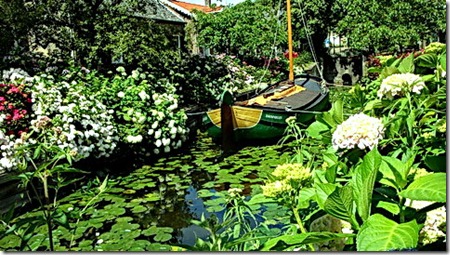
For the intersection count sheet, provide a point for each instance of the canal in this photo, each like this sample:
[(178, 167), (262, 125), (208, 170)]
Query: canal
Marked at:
[(151, 207)]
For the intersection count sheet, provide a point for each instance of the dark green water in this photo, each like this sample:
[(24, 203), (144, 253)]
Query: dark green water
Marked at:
[(153, 205)]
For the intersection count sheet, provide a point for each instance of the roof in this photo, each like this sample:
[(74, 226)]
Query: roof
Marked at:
[(155, 10), (188, 8)]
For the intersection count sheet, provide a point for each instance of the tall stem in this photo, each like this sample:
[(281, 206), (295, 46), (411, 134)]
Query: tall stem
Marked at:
[(300, 225), (48, 208)]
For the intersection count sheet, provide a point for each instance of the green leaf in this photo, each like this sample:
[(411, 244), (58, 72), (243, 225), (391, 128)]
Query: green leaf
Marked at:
[(374, 104), (340, 204), (407, 64), (285, 241), (334, 116), (436, 163), (363, 182), (316, 129), (426, 60), (390, 207), (305, 195), (330, 173), (162, 237), (323, 190), (391, 169), (388, 71), (379, 233), (427, 188), (443, 61)]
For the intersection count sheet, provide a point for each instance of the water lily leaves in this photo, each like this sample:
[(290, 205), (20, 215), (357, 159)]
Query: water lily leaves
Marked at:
[(159, 247), (114, 199), (205, 193), (113, 210), (152, 197), (161, 234), (86, 245), (139, 245), (129, 230), (139, 209)]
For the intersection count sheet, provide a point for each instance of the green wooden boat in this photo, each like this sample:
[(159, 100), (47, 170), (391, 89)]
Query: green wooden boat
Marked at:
[(263, 116)]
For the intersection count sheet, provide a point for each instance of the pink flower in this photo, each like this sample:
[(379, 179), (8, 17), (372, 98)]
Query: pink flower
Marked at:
[(13, 89), (2, 99)]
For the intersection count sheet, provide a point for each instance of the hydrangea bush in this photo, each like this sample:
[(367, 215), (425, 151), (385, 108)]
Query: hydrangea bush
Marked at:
[(373, 168), (147, 112), (83, 123)]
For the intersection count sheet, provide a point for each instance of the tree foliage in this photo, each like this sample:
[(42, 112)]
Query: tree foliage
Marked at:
[(249, 28), (389, 24), (91, 32)]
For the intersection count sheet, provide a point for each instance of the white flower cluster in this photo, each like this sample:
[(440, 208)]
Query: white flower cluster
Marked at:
[(7, 145), (152, 119), (15, 74), (435, 222), (399, 84), (358, 130), (82, 124), (330, 224)]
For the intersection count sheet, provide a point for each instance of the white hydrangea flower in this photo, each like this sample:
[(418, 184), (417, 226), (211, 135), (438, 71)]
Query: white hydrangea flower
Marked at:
[(399, 84), (331, 224), (134, 139), (158, 134), (432, 229), (135, 74), (360, 131), (121, 94), (143, 95), (166, 141)]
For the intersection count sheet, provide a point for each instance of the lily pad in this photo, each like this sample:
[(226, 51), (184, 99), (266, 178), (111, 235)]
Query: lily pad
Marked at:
[(139, 209)]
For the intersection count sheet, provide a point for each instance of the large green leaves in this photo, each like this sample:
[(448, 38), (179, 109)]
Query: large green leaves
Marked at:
[(363, 182), (395, 171), (340, 204), (428, 188), (407, 64), (379, 233), (285, 241)]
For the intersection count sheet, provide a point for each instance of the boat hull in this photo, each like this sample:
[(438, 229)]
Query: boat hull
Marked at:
[(270, 124)]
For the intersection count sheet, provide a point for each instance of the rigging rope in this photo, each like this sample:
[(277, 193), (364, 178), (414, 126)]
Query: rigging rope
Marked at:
[(310, 44), (273, 48)]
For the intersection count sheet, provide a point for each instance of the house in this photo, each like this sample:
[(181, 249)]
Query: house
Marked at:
[(187, 11)]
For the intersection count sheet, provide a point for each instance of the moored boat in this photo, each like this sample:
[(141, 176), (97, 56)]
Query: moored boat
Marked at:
[(264, 115)]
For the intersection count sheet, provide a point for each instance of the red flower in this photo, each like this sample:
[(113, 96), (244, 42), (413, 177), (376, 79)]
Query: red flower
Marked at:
[(294, 54)]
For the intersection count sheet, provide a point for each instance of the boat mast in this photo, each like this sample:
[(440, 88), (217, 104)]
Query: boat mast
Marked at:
[(291, 60)]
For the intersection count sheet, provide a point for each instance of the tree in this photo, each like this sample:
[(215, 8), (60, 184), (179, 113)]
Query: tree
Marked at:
[(378, 25), (248, 28), (91, 32)]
